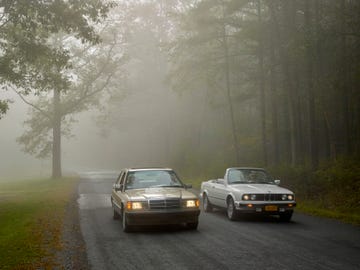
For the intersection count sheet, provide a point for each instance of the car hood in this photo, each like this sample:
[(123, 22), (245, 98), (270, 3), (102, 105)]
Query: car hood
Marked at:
[(260, 188), (159, 193)]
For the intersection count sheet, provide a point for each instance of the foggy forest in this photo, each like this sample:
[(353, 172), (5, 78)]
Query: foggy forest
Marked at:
[(193, 85), (208, 88)]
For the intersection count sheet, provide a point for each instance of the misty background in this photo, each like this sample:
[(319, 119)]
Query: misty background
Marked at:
[(197, 86)]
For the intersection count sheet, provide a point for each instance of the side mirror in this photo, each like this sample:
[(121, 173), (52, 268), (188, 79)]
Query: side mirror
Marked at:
[(117, 187), (188, 185), (277, 182)]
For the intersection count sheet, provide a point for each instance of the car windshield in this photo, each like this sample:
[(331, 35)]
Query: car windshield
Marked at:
[(152, 178), (238, 176)]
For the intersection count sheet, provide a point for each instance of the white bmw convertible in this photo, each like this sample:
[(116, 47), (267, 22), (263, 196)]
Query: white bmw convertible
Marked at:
[(248, 190)]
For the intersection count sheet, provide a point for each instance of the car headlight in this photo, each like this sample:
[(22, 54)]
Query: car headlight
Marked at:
[(134, 206), (247, 197), (192, 203), (287, 197)]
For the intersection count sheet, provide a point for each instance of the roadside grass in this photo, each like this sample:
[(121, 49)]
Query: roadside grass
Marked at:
[(315, 208), (31, 218), (332, 191)]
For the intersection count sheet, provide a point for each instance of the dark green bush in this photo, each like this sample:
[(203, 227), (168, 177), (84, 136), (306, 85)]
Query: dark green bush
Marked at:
[(334, 186)]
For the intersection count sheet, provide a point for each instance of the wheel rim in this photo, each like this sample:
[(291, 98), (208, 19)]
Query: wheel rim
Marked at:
[(206, 203), (124, 221), (230, 209)]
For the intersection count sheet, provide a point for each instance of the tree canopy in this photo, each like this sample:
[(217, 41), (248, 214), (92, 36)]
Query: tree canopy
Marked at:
[(292, 67), (27, 59)]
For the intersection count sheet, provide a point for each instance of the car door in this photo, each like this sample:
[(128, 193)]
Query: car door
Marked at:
[(210, 191), (118, 189), (219, 192)]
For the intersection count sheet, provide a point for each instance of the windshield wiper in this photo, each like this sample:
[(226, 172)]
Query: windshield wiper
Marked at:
[(167, 186), (263, 182), (239, 182)]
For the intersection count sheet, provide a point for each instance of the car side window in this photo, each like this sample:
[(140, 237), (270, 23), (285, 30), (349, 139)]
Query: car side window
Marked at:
[(119, 178), (122, 178)]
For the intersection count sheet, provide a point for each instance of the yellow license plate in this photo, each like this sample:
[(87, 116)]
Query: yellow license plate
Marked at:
[(271, 208)]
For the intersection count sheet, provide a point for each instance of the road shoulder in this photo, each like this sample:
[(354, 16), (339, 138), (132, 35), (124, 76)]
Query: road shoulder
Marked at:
[(73, 252)]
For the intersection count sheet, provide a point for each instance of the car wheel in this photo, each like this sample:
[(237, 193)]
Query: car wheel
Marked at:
[(206, 204), (115, 215), (231, 211), (286, 217), (125, 225), (192, 226)]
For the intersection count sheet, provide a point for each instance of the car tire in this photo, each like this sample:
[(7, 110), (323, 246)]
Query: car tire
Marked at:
[(231, 210), (206, 204), (286, 217), (125, 225), (192, 226), (115, 214)]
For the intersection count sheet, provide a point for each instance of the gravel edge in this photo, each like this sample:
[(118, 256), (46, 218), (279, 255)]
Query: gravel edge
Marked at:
[(73, 253)]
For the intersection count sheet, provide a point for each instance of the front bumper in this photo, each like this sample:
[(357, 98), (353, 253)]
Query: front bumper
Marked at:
[(271, 208), (162, 217)]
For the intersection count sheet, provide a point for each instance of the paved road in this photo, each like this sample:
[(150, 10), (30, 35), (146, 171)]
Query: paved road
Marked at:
[(305, 243)]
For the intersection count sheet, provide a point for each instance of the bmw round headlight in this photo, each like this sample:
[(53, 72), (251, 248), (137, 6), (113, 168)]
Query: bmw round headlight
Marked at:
[(287, 197), (246, 197), (253, 197)]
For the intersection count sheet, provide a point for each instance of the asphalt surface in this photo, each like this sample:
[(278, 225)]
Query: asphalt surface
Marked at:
[(253, 243)]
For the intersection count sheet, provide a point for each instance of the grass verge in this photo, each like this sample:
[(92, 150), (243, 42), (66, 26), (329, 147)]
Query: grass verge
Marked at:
[(31, 219), (315, 208)]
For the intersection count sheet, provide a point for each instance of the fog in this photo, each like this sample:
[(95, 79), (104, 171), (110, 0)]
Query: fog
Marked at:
[(146, 125), (144, 130), (15, 163), (194, 85)]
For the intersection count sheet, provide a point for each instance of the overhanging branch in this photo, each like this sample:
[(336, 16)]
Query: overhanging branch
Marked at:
[(44, 113)]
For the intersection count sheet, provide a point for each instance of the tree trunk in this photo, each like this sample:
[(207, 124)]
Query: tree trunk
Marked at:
[(324, 147), (288, 70), (344, 79), (288, 89), (310, 89), (274, 104), (332, 148), (262, 86), (228, 92), (296, 93), (283, 38), (56, 147)]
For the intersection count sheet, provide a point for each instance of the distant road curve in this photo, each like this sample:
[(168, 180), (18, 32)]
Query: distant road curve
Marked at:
[(305, 243)]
